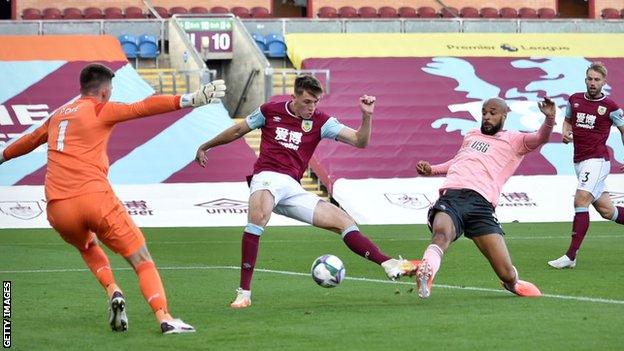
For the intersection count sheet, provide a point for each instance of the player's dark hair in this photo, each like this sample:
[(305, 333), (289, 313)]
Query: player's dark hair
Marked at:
[(93, 76), (309, 83), (598, 67)]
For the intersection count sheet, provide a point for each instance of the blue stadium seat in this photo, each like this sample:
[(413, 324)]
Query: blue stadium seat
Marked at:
[(260, 41), (148, 47), (276, 45), (129, 45)]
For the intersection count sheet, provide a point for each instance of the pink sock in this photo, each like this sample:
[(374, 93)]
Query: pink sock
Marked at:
[(579, 229), (433, 254), (362, 246)]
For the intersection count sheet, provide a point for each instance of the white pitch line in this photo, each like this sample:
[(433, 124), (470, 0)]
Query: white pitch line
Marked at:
[(368, 280), (269, 241)]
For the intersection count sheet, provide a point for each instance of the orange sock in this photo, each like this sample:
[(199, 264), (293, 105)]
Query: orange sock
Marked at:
[(98, 263), (152, 288)]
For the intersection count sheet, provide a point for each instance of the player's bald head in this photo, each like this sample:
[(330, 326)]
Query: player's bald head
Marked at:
[(497, 103)]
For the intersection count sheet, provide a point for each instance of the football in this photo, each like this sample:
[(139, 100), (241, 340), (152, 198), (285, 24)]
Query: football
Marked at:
[(328, 271)]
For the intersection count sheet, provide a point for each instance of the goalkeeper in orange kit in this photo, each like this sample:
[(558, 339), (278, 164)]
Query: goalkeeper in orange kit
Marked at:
[(81, 204)]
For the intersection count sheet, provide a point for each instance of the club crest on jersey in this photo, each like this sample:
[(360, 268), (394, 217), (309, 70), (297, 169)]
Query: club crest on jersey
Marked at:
[(602, 110), (306, 125)]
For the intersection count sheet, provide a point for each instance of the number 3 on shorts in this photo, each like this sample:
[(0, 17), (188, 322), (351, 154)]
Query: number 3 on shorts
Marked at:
[(60, 141), (585, 177)]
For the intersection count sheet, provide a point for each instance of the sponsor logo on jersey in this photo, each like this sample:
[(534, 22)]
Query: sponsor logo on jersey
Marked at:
[(602, 110), (21, 209), (412, 201), (306, 125), (576, 105), (277, 118)]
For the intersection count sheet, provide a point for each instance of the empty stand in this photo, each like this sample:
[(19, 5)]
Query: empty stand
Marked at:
[(508, 12), (388, 12), (241, 12), (527, 12), (427, 12), (488, 12), (449, 12), (546, 12), (327, 12), (407, 12), (367, 12), (347, 12), (469, 12), (260, 12)]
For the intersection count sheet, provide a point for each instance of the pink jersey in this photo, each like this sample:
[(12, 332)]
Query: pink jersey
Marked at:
[(591, 124), (484, 163), (288, 142)]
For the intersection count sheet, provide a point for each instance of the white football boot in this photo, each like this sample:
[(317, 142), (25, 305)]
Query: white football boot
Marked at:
[(563, 262), (117, 317), (397, 268), (176, 326), (242, 300)]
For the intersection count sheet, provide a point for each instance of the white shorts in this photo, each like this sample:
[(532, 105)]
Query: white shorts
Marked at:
[(291, 200), (592, 174)]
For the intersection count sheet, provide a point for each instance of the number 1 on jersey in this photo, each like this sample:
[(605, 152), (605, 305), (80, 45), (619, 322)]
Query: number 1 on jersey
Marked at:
[(60, 141)]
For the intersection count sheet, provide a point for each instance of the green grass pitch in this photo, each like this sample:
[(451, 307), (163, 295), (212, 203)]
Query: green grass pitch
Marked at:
[(58, 305)]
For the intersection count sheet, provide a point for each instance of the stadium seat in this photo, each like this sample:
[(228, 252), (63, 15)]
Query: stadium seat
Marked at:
[(388, 12), (449, 12), (134, 12), (93, 13), (260, 12), (276, 49), (161, 11), (407, 12), (31, 14), (241, 12), (72, 13), (327, 12), (178, 10), (260, 42), (199, 9), (219, 10), (367, 12), (52, 13), (489, 12), (610, 13), (347, 12), (622, 13), (148, 47), (129, 45), (469, 12), (527, 12), (427, 12), (508, 12), (546, 12), (113, 13)]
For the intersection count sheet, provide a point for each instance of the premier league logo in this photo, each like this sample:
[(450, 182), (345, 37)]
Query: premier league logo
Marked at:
[(306, 125), (21, 209), (412, 201)]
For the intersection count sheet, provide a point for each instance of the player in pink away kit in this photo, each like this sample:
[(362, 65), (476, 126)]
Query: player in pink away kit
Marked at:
[(468, 197), (291, 130), (588, 120)]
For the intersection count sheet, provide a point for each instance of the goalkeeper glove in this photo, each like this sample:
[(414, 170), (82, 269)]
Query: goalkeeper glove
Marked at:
[(210, 93)]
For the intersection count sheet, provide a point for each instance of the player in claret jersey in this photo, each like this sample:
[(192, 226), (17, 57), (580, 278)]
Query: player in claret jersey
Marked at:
[(291, 130), (81, 204), (588, 120), (468, 197)]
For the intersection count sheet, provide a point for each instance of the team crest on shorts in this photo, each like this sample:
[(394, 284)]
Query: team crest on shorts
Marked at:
[(602, 110), (306, 125)]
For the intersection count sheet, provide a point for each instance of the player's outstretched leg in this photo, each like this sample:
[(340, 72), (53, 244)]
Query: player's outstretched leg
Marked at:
[(330, 217), (493, 247), (154, 293), (443, 233)]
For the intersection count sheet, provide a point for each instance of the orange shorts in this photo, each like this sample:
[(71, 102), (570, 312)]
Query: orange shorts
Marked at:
[(77, 219)]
